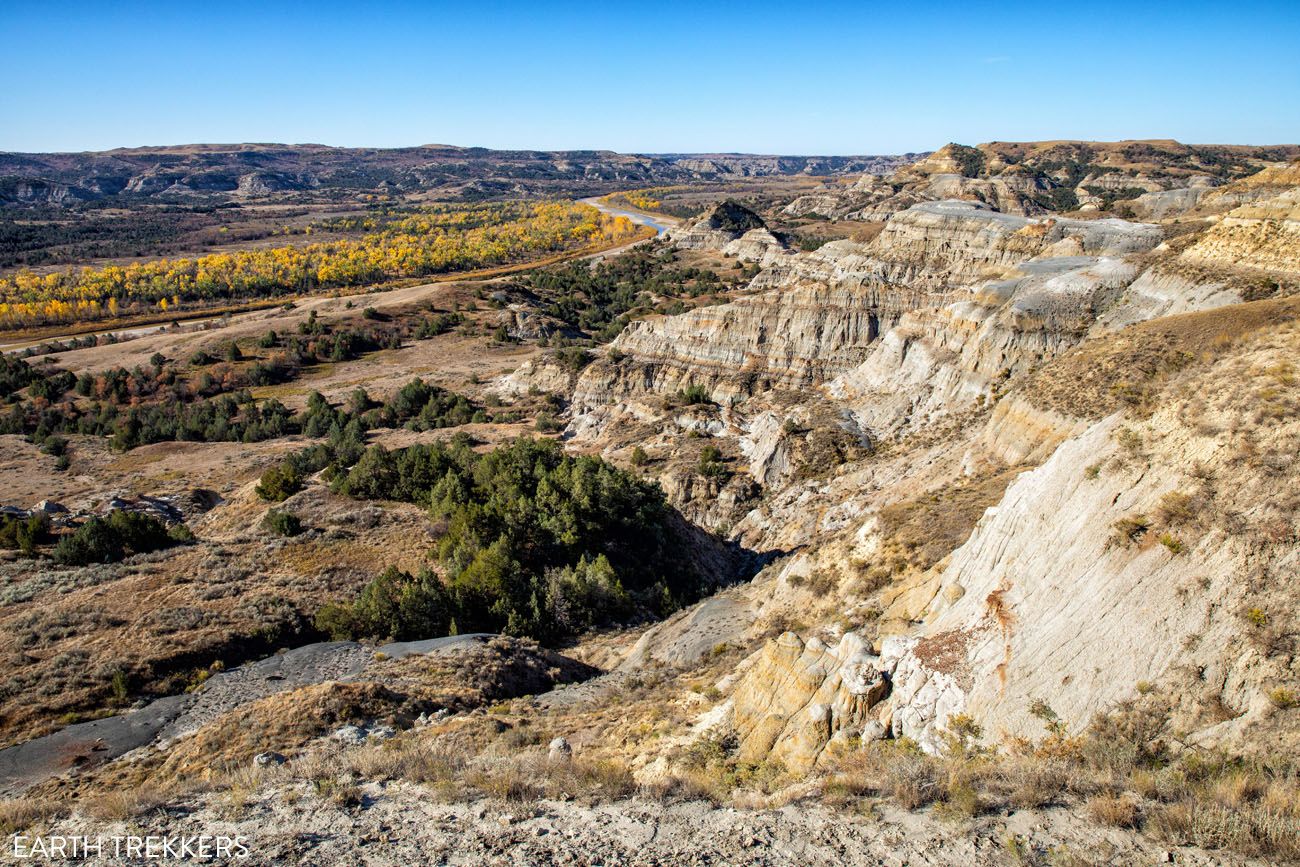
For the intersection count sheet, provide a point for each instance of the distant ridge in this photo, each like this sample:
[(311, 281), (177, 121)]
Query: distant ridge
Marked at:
[(213, 173)]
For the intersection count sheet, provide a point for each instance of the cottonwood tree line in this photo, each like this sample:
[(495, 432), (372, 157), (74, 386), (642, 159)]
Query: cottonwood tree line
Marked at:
[(435, 240)]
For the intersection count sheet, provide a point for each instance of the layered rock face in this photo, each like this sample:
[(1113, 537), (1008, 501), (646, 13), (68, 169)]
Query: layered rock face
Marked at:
[(823, 310), (39, 192), (940, 245), (1164, 204), (1124, 553), (1250, 252), (1029, 178), (744, 165), (1019, 432), (828, 204), (1270, 182), (759, 246), (788, 339), (1200, 195), (1120, 562), (1144, 555), (722, 224), (733, 230), (937, 361), (1166, 290), (1264, 236)]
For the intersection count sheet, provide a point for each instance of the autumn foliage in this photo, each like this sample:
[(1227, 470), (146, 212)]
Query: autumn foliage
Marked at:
[(433, 240)]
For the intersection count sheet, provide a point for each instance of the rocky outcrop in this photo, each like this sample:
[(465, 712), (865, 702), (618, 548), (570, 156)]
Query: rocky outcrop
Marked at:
[(1013, 193), (753, 165), (35, 191), (1167, 203), (724, 223), (1093, 576), (819, 317), (942, 360), (266, 183), (1019, 433), (825, 309), (1030, 178), (1264, 237), (1251, 252), (829, 204), (1165, 291), (941, 245), (759, 246), (779, 339), (522, 322), (1271, 181), (541, 374), (952, 307), (797, 697)]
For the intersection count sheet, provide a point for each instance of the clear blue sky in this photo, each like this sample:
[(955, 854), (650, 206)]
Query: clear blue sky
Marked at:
[(789, 77)]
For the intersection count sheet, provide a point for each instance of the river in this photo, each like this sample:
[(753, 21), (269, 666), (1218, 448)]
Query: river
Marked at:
[(635, 216)]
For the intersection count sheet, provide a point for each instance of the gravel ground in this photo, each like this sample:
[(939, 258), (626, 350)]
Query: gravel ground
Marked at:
[(400, 824)]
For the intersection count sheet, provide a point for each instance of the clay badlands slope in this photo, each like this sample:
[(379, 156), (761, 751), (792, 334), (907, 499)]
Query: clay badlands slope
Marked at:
[(1120, 394), (1006, 466)]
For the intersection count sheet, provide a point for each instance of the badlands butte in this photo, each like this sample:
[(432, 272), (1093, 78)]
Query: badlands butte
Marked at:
[(944, 513)]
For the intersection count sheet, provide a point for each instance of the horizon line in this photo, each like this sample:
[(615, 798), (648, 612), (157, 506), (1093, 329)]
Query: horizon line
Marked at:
[(634, 153)]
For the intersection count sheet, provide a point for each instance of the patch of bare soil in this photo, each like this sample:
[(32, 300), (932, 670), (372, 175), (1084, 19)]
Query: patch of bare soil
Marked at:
[(401, 824)]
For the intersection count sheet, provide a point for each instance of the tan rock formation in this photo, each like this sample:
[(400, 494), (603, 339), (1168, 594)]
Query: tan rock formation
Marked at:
[(831, 304), (1024, 178), (1264, 236), (759, 246), (940, 360), (1271, 181), (724, 223), (796, 697), (1093, 575)]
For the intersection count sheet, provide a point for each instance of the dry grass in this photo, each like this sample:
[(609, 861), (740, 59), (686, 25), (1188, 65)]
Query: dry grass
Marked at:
[(1120, 772), (521, 778), (1115, 812), (282, 723), (901, 772), (1128, 368), (919, 533), (689, 785), (406, 759), (19, 814), (1032, 783), (120, 805), (1253, 831)]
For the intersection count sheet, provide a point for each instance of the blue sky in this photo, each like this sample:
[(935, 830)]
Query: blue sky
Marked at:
[(792, 77)]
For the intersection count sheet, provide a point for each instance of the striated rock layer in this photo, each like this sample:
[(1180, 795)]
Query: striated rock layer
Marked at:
[(822, 311), (1125, 559)]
